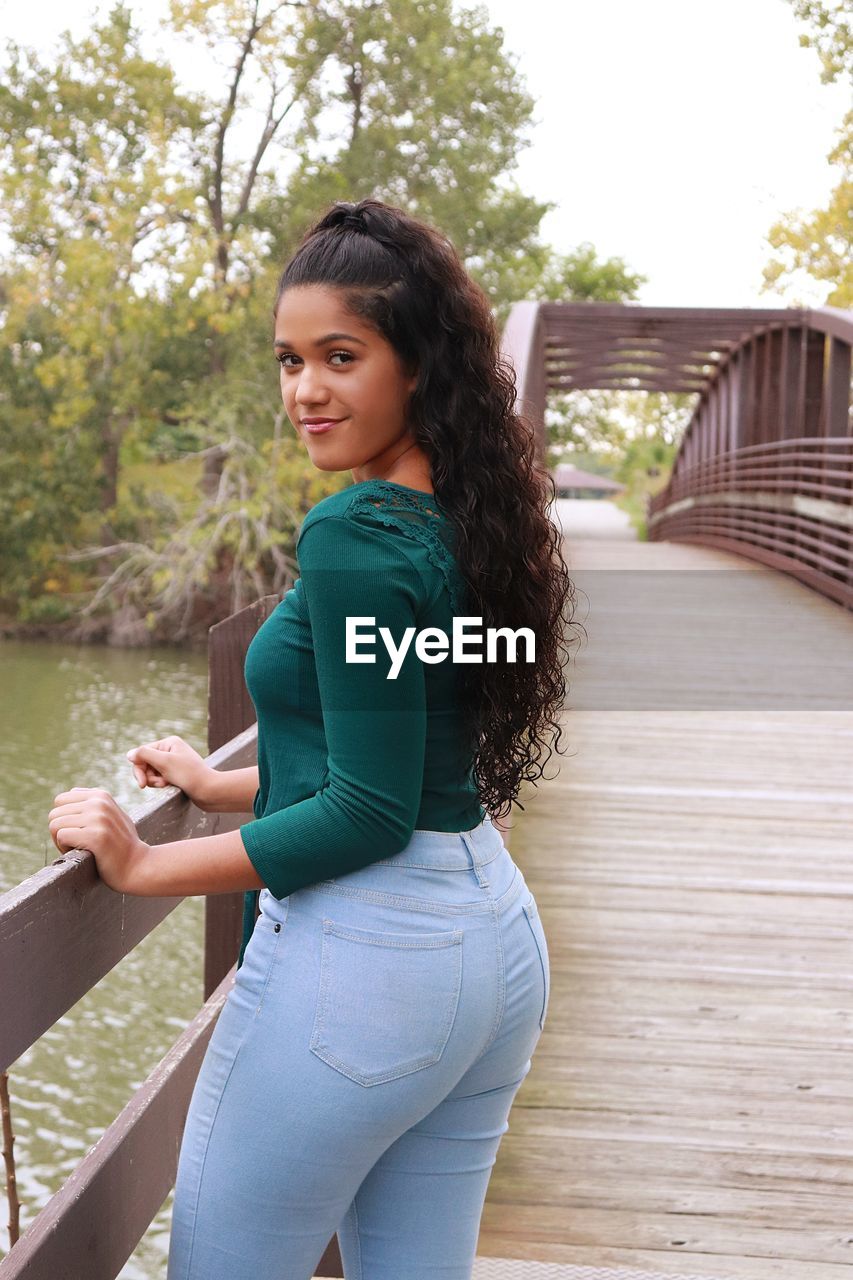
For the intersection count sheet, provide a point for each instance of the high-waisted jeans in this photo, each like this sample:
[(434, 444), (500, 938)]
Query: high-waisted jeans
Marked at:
[(360, 1075)]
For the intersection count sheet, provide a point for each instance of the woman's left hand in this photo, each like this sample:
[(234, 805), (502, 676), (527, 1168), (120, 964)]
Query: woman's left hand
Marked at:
[(89, 818)]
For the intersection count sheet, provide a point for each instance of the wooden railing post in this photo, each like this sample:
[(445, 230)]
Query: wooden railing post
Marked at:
[(813, 390), (229, 712), (837, 390)]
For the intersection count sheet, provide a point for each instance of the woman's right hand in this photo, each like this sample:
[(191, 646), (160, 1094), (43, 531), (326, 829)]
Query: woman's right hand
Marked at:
[(171, 762)]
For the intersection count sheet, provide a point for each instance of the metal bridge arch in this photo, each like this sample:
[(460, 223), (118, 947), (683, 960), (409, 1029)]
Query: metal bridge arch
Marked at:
[(765, 465)]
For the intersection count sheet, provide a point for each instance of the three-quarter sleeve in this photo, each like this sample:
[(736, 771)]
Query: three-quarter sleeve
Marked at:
[(375, 727)]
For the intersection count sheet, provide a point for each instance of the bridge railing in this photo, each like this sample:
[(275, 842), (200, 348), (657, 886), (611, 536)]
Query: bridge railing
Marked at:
[(61, 931), (765, 468)]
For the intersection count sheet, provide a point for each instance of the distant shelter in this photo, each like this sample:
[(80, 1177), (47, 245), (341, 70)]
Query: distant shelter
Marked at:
[(571, 482)]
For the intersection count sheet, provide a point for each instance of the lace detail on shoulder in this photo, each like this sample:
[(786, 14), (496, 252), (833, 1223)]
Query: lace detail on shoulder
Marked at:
[(417, 516), (399, 496)]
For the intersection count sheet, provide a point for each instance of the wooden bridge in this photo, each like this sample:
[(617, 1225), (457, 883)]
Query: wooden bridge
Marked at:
[(688, 1110)]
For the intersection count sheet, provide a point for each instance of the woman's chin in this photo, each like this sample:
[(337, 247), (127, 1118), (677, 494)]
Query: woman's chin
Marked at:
[(326, 461)]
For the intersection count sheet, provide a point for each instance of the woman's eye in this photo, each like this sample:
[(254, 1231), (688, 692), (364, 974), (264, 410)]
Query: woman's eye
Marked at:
[(287, 355)]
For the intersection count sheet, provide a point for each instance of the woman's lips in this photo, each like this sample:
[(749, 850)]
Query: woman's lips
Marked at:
[(317, 428)]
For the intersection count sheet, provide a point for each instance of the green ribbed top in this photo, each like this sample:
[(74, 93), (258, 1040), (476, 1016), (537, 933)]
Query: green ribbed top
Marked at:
[(350, 762)]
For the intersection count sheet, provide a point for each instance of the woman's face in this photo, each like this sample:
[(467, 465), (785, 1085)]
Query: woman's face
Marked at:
[(333, 367)]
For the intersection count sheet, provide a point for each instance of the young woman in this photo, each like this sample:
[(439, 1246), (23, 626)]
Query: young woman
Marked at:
[(391, 992)]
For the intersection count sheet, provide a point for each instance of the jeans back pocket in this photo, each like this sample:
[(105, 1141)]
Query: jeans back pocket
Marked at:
[(386, 1001), (531, 911)]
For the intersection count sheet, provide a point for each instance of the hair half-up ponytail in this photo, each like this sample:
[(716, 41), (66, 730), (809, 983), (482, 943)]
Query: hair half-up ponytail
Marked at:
[(405, 279)]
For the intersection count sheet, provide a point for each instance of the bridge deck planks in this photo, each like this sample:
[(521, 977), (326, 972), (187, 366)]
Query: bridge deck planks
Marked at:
[(690, 1106)]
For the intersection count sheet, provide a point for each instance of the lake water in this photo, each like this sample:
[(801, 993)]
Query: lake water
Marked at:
[(69, 713)]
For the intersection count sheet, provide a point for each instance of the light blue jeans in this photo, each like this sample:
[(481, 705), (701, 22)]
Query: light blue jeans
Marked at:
[(361, 1072)]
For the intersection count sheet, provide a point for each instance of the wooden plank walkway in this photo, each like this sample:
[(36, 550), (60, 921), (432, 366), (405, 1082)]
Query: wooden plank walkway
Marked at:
[(690, 1106)]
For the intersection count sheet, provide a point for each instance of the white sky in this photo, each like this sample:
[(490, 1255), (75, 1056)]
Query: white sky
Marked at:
[(671, 133)]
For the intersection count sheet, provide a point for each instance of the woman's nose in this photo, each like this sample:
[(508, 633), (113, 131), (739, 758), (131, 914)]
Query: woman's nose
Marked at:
[(310, 391)]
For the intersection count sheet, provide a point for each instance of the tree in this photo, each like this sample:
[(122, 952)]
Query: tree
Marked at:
[(409, 101), (93, 205), (149, 225), (607, 423), (831, 34), (581, 276), (819, 245)]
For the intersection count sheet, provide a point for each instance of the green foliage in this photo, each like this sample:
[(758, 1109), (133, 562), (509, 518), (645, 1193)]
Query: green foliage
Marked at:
[(581, 276), (45, 609), (830, 33), (90, 198), (146, 239), (630, 436), (819, 245), (605, 423), (225, 549), (644, 470), (42, 473)]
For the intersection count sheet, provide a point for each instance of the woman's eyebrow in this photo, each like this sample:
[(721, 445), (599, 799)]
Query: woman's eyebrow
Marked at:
[(330, 337)]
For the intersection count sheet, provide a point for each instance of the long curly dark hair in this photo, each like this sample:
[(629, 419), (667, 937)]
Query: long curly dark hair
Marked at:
[(405, 279)]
